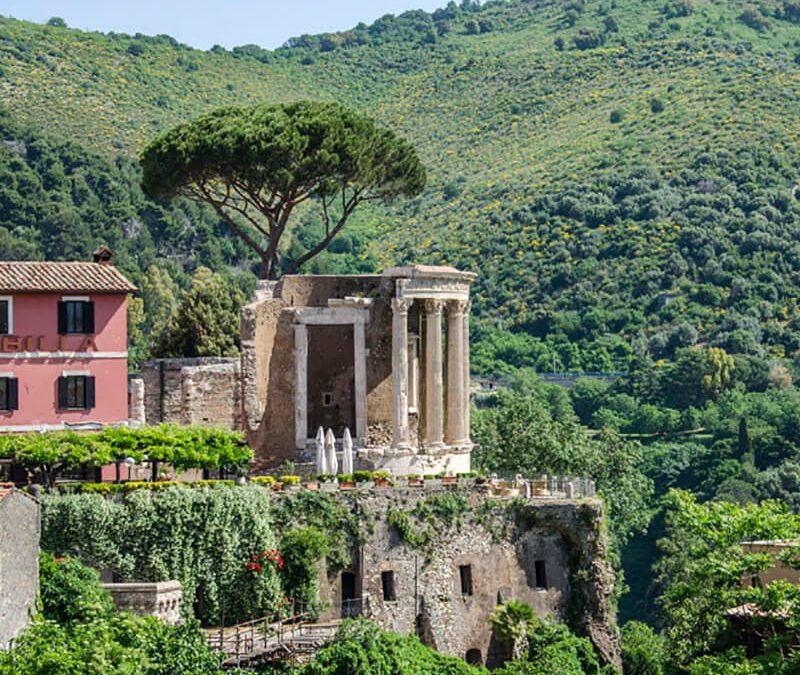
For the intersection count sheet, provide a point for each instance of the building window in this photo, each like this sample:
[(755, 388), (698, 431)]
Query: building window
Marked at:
[(327, 399), (6, 320), (465, 573), (9, 394), (76, 392), (75, 317), (541, 574), (387, 581)]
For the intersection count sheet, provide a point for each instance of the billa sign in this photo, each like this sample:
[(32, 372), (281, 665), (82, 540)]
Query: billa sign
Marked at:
[(39, 343)]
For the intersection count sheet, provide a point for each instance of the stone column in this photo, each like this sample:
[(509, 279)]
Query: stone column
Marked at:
[(433, 374), (455, 432), (466, 379), (413, 373), (360, 356), (400, 434), (300, 385), (136, 407)]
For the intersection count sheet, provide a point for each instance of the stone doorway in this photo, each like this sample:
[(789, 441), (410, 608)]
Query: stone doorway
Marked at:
[(350, 602), (331, 401)]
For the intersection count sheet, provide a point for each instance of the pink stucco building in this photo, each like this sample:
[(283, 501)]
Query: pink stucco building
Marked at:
[(63, 345)]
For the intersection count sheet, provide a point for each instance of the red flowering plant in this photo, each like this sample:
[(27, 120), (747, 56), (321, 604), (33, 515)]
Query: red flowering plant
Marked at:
[(258, 561)]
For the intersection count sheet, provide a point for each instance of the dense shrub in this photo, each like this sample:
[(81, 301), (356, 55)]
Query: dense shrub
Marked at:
[(204, 538)]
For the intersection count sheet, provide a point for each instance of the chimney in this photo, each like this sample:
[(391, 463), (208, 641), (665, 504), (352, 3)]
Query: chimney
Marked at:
[(103, 255)]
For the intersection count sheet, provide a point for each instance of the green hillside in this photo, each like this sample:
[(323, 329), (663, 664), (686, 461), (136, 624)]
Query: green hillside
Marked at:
[(622, 174)]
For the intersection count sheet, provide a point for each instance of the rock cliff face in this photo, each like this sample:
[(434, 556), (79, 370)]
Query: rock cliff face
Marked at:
[(438, 560)]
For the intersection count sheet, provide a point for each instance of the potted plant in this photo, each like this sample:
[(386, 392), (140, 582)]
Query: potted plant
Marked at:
[(292, 482), (414, 480), (381, 479), (448, 479), (312, 483), (362, 476), (346, 481)]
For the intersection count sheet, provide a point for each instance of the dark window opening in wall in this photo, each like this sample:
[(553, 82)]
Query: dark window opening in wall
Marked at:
[(541, 574), (75, 316), (4, 317), (76, 392), (473, 657), (387, 581), (327, 399), (9, 397), (465, 572)]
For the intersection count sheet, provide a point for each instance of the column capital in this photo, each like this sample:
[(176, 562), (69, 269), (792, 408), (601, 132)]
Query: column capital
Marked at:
[(433, 305), (460, 306), (401, 305)]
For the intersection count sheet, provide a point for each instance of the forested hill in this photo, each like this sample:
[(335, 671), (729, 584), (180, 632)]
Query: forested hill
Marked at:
[(621, 173)]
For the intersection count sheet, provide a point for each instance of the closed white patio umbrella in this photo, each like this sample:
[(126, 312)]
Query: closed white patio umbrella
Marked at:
[(322, 464), (330, 453), (347, 452)]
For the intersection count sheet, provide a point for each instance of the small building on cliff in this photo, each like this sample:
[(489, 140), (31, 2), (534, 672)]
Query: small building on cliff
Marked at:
[(437, 560)]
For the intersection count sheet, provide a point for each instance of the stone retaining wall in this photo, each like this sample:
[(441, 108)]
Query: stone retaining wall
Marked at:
[(163, 599)]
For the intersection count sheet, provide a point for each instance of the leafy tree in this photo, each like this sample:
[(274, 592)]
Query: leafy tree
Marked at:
[(361, 648), (48, 454), (206, 321), (517, 433), (702, 570), (510, 621), (159, 294), (643, 651), (697, 376), (303, 550), (69, 591), (78, 632), (256, 165), (553, 648)]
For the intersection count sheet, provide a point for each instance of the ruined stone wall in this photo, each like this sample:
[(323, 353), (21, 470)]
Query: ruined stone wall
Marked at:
[(548, 553), (19, 563), (200, 391), (379, 371), (268, 363)]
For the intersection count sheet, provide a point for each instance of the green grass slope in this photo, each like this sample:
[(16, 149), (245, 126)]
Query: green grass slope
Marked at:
[(621, 173)]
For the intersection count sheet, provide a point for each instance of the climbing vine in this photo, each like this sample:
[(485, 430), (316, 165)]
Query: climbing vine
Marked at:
[(337, 520), (202, 537), (419, 527)]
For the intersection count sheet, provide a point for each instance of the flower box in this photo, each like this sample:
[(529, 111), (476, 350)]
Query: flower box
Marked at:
[(312, 485), (415, 482), (382, 482), (346, 485), (449, 480)]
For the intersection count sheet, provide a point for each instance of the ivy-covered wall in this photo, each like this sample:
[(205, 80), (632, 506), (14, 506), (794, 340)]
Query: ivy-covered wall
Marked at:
[(205, 538), (250, 552)]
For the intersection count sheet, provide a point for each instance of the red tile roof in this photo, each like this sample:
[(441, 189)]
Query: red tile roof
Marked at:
[(85, 277)]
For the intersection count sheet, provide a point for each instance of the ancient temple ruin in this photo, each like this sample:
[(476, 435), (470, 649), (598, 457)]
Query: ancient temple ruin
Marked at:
[(385, 356)]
